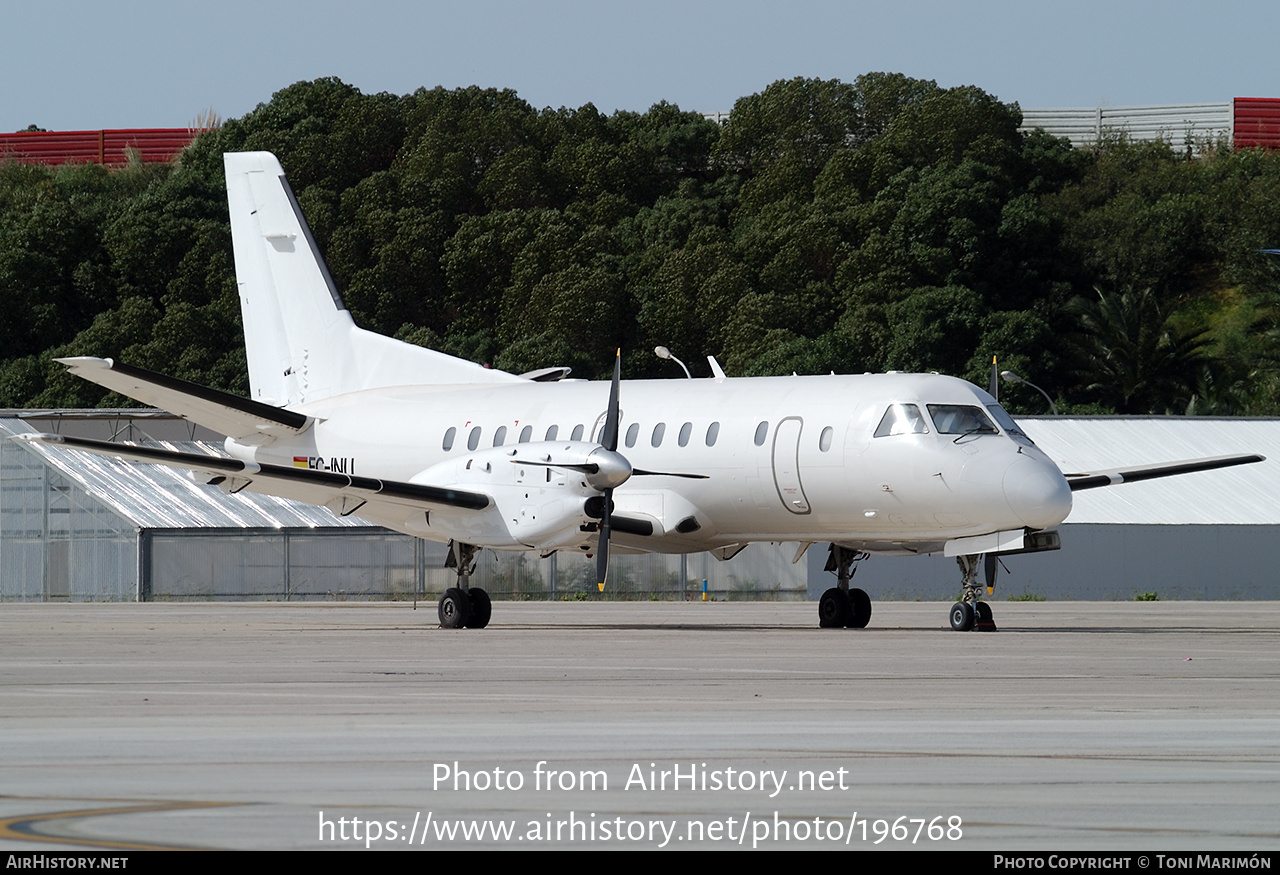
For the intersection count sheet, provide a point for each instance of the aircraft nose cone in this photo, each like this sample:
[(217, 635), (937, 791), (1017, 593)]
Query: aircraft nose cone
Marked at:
[(1037, 492)]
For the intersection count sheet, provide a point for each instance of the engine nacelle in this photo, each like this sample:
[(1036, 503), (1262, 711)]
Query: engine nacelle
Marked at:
[(540, 494)]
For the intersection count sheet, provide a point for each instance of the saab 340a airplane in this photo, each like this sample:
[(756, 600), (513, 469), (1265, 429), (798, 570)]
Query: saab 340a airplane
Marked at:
[(444, 449)]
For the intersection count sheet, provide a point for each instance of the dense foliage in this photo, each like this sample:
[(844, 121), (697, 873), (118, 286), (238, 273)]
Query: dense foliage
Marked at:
[(881, 224)]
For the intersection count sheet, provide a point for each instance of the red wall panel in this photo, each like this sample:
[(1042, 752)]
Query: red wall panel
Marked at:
[(1257, 122), (94, 147)]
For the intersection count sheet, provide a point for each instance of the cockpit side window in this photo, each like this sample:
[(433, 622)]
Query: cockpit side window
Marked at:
[(961, 419), (1001, 416), (901, 419)]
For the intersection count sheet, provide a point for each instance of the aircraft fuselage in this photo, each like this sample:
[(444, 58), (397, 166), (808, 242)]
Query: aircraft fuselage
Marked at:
[(784, 459)]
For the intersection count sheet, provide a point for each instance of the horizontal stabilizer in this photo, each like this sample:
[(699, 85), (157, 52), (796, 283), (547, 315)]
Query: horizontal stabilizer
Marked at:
[(342, 493), (249, 422), (1095, 479)]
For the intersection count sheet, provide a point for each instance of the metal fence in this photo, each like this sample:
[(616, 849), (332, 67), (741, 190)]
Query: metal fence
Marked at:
[(1191, 125)]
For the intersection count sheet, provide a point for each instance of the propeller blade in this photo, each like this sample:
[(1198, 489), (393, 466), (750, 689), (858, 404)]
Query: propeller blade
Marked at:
[(602, 552), (609, 436), (642, 471), (989, 562), (608, 440), (584, 467), (994, 385)]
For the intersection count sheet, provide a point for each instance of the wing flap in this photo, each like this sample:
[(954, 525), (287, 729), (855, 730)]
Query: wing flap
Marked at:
[(1111, 477), (249, 422), (342, 493)]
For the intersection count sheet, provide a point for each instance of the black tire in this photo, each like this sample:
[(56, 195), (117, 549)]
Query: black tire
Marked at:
[(861, 605), (454, 609), (961, 617), (481, 608), (984, 620), (834, 610)]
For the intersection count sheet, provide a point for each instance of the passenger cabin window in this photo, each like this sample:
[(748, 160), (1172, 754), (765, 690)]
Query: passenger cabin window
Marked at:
[(713, 432), (762, 432), (658, 431), (901, 419), (500, 436), (961, 419), (577, 433), (552, 432), (633, 432), (526, 433), (685, 431), (473, 439), (448, 439), (824, 440)]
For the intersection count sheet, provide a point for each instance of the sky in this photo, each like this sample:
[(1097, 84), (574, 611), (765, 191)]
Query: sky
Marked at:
[(74, 65)]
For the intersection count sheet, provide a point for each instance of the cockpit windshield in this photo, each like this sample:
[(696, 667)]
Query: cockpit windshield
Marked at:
[(961, 419), (902, 419)]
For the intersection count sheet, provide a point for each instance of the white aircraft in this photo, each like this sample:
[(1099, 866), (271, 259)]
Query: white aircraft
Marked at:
[(444, 449)]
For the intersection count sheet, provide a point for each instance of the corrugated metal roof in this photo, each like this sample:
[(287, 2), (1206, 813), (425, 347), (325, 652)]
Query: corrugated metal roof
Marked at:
[(156, 497), (153, 496), (1248, 495)]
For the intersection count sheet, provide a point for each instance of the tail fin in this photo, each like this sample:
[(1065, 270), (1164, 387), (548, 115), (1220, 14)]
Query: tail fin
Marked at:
[(301, 342)]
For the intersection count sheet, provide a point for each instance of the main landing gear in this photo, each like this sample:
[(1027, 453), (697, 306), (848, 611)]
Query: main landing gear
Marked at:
[(463, 605), (841, 606), (969, 613)]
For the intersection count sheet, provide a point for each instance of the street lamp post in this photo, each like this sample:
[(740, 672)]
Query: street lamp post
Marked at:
[(663, 353), (1011, 377)]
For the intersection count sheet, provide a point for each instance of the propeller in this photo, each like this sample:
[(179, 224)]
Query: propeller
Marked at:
[(990, 562), (605, 469), (608, 440)]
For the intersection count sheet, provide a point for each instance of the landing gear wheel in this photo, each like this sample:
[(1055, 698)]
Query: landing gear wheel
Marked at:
[(984, 621), (481, 608), (961, 617), (861, 604), (834, 609), (454, 609)]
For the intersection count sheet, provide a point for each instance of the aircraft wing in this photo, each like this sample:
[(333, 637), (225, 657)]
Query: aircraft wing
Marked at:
[(1095, 479), (342, 493), (249, 422)]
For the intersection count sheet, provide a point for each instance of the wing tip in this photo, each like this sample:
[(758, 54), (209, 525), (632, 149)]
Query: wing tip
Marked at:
[(85, 362)]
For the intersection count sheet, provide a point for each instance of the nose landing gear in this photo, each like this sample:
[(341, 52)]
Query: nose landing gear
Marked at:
[(970, 613)]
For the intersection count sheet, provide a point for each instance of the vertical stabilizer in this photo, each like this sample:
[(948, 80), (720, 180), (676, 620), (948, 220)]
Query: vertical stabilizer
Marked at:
[(301, 342)]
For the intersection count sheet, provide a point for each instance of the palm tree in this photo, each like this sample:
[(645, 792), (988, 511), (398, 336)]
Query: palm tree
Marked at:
[(1134, 358)]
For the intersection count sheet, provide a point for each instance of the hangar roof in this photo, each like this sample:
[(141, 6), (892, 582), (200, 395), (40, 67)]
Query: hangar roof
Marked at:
[(156, 497), (1247, 495), (153, 496)]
